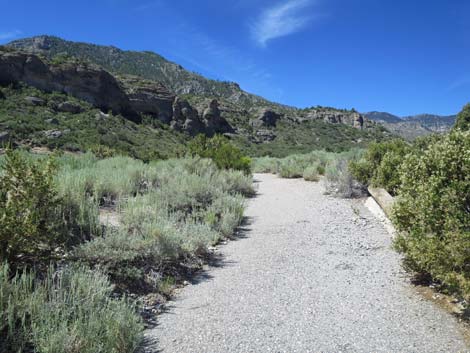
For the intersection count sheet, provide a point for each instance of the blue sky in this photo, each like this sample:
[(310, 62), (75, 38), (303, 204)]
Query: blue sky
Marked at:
[(401, 56)]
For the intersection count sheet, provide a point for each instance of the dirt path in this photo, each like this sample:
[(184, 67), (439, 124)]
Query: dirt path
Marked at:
[(312, 274)]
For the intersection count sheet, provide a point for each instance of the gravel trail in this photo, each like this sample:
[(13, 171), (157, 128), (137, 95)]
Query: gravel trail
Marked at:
[(311, 273)]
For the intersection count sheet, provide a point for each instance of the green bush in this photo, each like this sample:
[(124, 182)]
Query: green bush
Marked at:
[(379, 165), (29, 203), (223, 153), (70, 311), (102, 151), (433, 211), (463, 119)]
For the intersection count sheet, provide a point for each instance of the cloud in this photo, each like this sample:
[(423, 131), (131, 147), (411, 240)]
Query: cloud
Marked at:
[(462, 82), (216, 59), (10, 34), (281, 20)]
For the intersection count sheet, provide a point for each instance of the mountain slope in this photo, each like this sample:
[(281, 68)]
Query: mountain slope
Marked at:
[(145, 64), (148, 90), (413, 126), (198, 89), (383, 117)]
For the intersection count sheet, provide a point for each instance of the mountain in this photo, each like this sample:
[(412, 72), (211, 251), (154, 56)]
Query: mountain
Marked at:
[(383, 117), (60, 94), (143, 63), (413, 126), (435, 123)]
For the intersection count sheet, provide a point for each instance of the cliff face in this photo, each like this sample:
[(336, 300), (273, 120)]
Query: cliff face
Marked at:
[(129, 96), (145, 64), (176, 79), (84, 81)]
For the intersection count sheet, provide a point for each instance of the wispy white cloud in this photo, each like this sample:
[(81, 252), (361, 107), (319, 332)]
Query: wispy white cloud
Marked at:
[(10, 34), (217, 59), (459, 83), (281, 20)]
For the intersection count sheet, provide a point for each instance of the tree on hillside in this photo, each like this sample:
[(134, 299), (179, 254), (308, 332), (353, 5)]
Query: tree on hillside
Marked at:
[(463, 119)]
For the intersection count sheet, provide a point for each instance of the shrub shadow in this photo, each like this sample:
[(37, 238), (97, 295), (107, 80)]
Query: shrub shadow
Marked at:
[(214, 259)]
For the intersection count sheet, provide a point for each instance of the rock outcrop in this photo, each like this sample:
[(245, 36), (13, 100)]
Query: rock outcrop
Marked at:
[(69, 107), (214, 122), (186, 118), (350, 118), (136, 97), (266, 118), (87, 82), (130, 96), (35, 101), (149, 97)]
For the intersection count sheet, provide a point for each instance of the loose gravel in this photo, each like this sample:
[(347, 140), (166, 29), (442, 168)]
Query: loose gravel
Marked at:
[(310, 273)]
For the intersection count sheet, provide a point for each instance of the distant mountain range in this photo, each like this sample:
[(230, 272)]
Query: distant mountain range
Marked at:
[(413, 126)]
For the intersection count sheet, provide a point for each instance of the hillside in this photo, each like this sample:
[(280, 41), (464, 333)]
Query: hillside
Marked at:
[(141, 88), (413, 126), (145, 64)]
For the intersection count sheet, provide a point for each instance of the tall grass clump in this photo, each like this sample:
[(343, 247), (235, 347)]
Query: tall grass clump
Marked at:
[(68, 311), (338, 179)]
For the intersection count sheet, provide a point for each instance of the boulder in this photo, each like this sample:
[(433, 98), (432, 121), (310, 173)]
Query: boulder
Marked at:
[(69, 107), (214, 122), (35, 101), (101, 116)]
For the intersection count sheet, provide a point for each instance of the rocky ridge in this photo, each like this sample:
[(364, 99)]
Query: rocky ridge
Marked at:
[(411, 127), (129, 96), (135, 97), (152, 81)]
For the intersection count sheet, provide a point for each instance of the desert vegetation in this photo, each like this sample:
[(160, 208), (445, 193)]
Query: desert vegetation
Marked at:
[(67, 272), (329, 166), (431, 181)]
